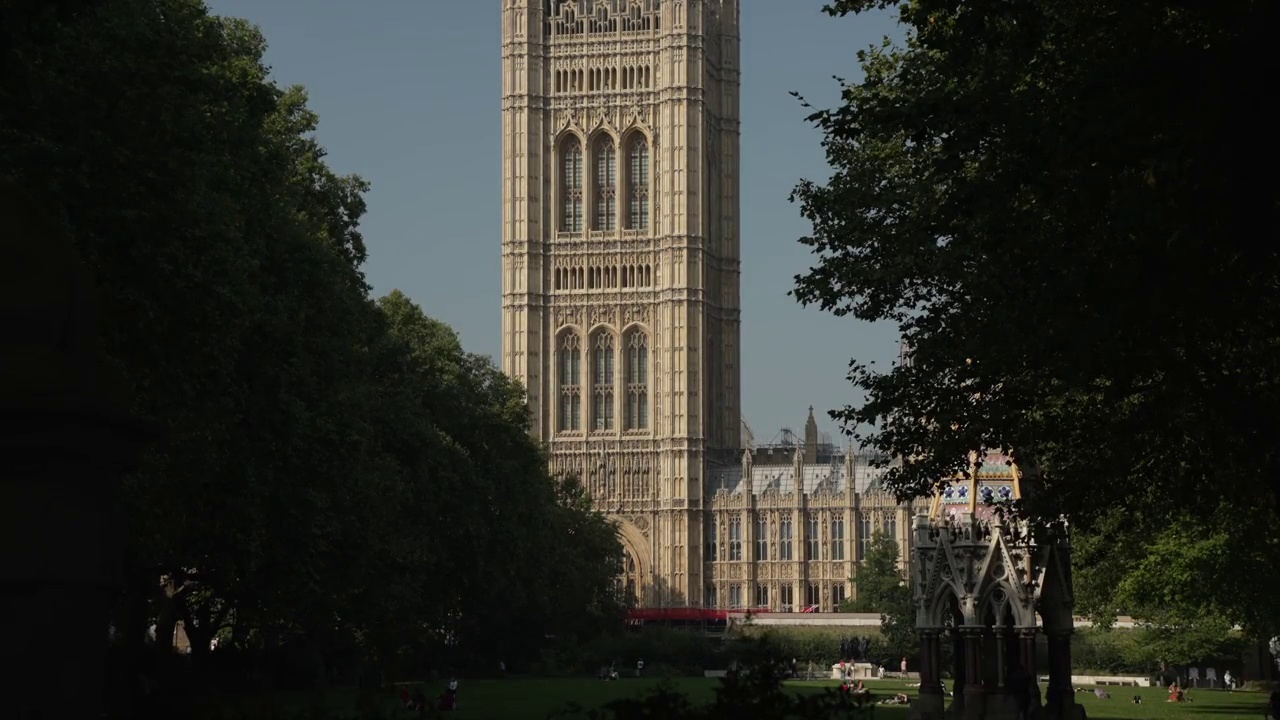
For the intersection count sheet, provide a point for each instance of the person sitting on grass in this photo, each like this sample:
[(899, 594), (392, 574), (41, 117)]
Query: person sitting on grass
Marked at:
[(1175, 693), (861, 695), (897, 699)]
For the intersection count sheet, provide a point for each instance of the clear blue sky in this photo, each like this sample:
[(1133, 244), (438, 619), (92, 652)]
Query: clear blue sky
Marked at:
[(408, 93)]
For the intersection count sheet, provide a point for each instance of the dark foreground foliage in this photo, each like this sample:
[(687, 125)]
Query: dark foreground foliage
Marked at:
[(342, 482)]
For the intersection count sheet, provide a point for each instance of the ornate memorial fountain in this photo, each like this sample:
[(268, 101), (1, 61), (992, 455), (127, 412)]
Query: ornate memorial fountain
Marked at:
[(989, 584)]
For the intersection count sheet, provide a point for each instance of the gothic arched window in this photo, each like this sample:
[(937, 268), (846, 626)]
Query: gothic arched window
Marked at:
[(571, 185), (638, 183), (630, 578), (637, 380), (837, 538), (570, 375), (864, 535), (735, 538), (762, 539), (602, 349), (811, 538), (784, 540), (606, 182)]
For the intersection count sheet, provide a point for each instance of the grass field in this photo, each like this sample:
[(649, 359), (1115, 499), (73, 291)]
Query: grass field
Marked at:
[(538, 698)]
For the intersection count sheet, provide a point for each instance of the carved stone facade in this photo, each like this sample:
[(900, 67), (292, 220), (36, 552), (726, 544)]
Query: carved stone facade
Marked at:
[(620, 259), (620, 309), (786, 538)]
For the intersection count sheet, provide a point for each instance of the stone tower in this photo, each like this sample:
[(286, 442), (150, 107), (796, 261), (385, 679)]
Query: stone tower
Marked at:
[(620, 259)]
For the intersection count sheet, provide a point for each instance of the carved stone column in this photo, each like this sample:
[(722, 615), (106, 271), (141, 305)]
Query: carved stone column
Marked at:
[(931, 704), (971, 700), (1001, 643), (1027, 651), (65, 444), (1060, 693), (930, 665)]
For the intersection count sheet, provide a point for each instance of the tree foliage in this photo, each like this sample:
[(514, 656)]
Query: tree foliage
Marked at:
[(339, 470), (1047, 198), (883, 589)]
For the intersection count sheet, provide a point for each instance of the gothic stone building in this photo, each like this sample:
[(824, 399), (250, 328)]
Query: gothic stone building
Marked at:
[(786, 528), (620, 258), (620, 307)]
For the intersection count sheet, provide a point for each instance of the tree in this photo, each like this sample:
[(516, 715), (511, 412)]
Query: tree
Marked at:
[(1045, 198), (524, 554), (883, 589), (877, 576), (339, 472)]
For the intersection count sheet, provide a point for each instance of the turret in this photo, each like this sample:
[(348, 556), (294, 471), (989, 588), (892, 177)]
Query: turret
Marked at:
[(810, 439)]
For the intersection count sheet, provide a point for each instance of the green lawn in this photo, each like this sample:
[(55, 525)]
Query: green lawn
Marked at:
[(538, 698)]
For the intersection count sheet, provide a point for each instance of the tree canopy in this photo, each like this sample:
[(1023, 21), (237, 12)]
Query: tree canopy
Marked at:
[(1050, 202), (883, 589), (339, 470)]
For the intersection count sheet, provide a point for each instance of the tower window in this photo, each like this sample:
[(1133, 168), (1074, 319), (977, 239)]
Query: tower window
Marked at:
[(602, 387), (570, 372), (571, 185), (638, 184), (637, 380), (606, 199)]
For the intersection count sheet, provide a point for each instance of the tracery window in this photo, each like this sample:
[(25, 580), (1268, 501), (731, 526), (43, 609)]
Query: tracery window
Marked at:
[(786, 597), (735, 539), (762, 596), (638, 184), (891, 528), (637, 380), (630, 578), (813, 595), (570, 371), (762, 539), (735, 596), (712, 600), (571, 185), (864, 535), (784, 540), (606, 181), (602, 385), (837, 539), (837, 596), (811, 538)]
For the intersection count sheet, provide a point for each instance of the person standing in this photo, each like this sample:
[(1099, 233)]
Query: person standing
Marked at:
[(452, 693), (904, 667)]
